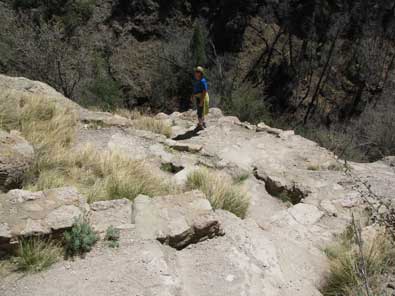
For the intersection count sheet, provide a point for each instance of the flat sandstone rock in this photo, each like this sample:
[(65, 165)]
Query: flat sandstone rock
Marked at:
[(176, 220), (24, 213)]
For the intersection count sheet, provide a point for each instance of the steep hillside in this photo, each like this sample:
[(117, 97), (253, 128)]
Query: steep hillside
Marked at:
[(323, 68), (236, 209)]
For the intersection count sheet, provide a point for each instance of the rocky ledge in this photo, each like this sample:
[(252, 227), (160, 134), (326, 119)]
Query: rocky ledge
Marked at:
[(301, 195)]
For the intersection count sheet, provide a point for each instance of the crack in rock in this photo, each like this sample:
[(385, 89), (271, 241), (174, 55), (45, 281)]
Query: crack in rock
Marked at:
[(284, 192)]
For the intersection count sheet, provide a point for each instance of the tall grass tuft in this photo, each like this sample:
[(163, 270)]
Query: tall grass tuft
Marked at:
[(345, 260), (101, 175), (36, 254), (220, 191)]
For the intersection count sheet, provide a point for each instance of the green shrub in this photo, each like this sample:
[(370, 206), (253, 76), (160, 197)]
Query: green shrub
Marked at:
[(79, 239), (36, 254), (220, 191), (112, 236)]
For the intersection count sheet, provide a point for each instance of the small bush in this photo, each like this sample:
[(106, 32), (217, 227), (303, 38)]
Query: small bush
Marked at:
[(79, 239), (154, 125), (35, 254), (112, 236), (220, 191)]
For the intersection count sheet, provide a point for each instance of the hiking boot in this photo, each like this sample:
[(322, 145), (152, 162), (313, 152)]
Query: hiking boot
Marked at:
[(199, 127)]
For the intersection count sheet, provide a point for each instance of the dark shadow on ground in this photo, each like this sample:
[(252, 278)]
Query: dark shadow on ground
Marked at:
[(188, 135)]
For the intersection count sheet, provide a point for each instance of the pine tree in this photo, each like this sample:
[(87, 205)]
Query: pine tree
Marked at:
[(198, 47)]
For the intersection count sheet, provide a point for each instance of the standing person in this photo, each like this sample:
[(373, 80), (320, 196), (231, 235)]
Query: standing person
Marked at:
[(200, 95)]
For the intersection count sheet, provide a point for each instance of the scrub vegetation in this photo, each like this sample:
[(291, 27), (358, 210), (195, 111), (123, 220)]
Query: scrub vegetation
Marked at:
[(51, 129)]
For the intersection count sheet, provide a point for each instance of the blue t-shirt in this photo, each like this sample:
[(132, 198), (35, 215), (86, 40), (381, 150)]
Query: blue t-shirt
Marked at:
[(199, 86)]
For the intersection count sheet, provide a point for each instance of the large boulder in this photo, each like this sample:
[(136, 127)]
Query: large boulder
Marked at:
[(20, 87), (24, 213), (16, 155), (178, 220)]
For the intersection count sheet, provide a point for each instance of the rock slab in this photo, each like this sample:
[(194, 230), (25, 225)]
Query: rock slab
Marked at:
[(178, 220), (24, 213), (104, 214)]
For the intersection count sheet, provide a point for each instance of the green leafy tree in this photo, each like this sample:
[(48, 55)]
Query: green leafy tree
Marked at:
[(198, 46), (103, 90)]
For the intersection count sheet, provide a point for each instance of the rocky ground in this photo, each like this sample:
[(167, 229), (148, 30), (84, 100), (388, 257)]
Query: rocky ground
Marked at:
[(301, 196)]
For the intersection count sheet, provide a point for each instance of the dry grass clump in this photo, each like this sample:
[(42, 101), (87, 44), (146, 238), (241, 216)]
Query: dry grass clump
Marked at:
[(51, 129), (48, 127), (101, 175), (129, 114), (40, 119), (154, 125), (145, 122), (356, 269), (35, 254), (220, 191)]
